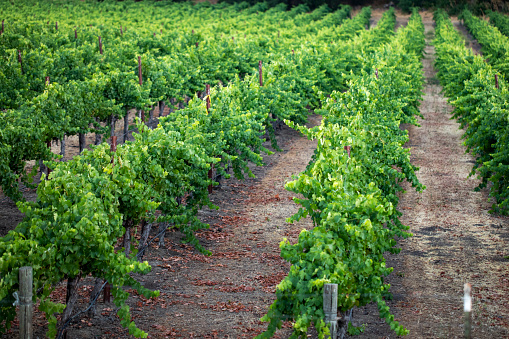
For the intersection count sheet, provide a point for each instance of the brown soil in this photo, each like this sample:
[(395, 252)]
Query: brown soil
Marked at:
[(223, 296)]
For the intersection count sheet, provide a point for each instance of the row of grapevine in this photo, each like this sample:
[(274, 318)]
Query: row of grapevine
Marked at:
[(500, 21), (494, 44), (351, 187), (96, 80), (480, 100), (91, 201)]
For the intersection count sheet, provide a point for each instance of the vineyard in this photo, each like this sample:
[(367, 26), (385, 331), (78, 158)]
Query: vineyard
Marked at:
[(172, 161)]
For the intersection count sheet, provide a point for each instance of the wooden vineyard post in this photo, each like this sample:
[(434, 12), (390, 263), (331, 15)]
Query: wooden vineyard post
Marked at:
[(376, 73), (2, 31), (496, 81), (100, 46), (348, 148), (76, 34), (330, 308), (140, 78), (467, 309), (26, 307), (196, 45), (56, 25), (207, 99)]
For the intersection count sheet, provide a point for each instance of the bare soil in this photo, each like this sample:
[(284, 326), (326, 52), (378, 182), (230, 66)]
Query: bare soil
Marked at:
[(224, 295)]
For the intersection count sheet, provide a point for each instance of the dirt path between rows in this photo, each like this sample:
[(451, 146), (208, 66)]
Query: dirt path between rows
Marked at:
[(455, 239)]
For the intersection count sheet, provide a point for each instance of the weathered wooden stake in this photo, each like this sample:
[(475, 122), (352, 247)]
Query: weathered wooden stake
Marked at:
[(2, 32), (26, 307), (196, 45), (467, 309), (56, 25), (260, 72), (496, 81), (330, 308), (100, 46), (348, 148), (76, 34), (376, 73)]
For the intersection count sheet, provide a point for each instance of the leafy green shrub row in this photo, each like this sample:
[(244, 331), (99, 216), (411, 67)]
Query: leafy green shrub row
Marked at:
[(352, 195), (494, 44), (479, 106), (500, 21), (87, 87)]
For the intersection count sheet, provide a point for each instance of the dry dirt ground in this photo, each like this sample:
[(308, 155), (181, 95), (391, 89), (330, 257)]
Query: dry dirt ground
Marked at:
[(224, 295)]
